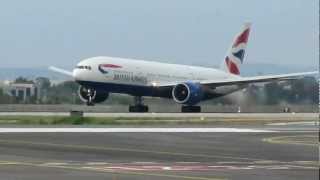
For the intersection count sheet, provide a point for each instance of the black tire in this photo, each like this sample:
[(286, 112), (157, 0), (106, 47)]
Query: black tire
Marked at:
[(90, 103), (145, 108), (139, 108), (191, 109)]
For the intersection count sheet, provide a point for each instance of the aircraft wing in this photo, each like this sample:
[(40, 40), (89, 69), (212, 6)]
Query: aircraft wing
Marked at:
[(257, 79), (61, 71), (249, 80)]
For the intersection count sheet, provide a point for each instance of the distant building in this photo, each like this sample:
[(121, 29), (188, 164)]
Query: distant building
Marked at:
[(23, 91)]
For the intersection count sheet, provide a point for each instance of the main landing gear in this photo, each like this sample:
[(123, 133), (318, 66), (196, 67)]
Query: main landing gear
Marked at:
[(138, 105), (191, 109)]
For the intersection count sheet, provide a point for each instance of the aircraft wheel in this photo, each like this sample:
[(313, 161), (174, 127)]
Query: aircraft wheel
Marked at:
[(139, 108), (90, 103), (191, 109)]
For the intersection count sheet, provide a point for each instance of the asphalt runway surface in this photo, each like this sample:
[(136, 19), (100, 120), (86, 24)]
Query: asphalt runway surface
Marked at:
[(278, 151)]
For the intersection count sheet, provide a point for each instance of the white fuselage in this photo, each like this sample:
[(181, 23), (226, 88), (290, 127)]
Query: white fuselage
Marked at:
[(141, 73)]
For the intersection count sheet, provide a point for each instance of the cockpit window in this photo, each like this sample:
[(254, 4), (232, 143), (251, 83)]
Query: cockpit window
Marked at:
[(79, 67), (84, 67)]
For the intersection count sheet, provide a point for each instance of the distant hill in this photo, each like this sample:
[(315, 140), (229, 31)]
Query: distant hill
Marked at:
[(30, 73), (246, 70)]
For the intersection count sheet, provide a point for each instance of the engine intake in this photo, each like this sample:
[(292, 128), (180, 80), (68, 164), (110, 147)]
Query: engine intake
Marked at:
[(188, 93)]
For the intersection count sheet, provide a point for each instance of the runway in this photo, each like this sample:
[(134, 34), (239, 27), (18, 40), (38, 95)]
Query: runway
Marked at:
[(274, 151)]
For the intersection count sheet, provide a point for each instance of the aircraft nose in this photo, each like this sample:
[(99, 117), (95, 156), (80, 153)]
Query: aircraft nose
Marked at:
[(76, 74)]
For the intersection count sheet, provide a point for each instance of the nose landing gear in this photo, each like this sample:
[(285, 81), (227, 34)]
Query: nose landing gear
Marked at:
[(87, 95), (90, 97)]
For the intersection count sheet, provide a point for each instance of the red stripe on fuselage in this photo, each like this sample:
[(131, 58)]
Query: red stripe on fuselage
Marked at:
[(111, 66)]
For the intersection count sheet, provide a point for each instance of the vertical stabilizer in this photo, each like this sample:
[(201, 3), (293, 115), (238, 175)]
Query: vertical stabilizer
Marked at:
[(235, 55)]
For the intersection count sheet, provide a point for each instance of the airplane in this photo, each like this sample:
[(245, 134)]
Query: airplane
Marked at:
[(186, 85)]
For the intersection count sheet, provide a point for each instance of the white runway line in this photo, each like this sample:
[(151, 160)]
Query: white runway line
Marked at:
[(308, 123), (127, 130), (54, 164)]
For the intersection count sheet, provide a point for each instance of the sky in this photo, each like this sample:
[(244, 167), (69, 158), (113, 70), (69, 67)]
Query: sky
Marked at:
[(38, 33)]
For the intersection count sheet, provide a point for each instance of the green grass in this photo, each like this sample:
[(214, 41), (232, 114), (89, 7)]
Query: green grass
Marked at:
[(67, 120), (53, 120), (70, 120)]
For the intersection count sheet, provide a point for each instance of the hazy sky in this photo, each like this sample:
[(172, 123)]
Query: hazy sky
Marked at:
[(38, 33)]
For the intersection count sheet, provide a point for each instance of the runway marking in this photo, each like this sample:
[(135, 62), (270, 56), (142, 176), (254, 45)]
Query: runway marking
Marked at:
[(54, 164), (7, 163), (127, 150), (114, 172), (194, 168), (115, 167), (153, 174), (266, 162), (237, 163), (307, 162), (124, 168), (129, 130), (300, 167), (187, 162), (312, 123), (97, 163), (144, 162), (287, 140), (156, 173)]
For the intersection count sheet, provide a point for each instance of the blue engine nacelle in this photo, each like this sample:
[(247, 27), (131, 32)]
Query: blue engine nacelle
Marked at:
[(188, 93)]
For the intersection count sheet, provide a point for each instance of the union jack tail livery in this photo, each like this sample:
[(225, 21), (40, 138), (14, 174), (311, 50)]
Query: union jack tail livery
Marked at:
[(235, 54)]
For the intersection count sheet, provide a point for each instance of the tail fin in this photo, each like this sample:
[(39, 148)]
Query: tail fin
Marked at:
[(235, 54)]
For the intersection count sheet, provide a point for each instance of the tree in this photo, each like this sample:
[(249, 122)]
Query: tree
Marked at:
[(22, 80), (63, 93), (43, 82), (4, 98)]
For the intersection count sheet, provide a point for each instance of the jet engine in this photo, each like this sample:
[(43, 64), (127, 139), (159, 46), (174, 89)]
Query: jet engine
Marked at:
[(89, 95), (188, 93)]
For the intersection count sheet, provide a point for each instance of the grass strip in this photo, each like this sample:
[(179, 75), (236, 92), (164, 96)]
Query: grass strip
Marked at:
[(69, 120)]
